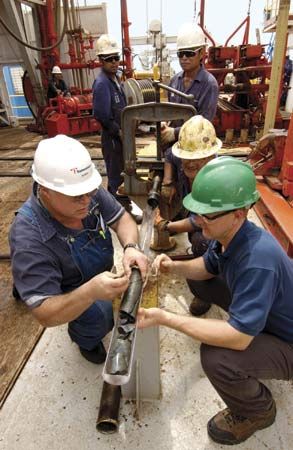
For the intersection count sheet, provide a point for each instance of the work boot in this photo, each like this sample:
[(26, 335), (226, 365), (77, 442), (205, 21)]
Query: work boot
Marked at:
[(97, 355), (198, 307), (230, 429)]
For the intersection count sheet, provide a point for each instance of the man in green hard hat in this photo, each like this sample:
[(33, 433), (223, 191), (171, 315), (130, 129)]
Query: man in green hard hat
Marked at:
[(256, 341)]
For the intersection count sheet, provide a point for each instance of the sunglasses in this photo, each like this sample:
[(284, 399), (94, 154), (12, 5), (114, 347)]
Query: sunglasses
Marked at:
[(188, 53), (111, 58), (208, 218)]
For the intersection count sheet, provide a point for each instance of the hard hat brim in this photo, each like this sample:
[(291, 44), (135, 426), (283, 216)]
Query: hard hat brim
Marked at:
[(198, 154), (204, 208), (107, 53)]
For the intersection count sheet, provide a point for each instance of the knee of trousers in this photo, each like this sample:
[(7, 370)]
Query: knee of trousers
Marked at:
[(216, 361)]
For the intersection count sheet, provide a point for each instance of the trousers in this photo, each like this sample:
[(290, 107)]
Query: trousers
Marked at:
[(238, 375)]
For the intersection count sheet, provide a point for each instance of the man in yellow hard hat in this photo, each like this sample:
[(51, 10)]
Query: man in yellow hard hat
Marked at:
[(196, 146)]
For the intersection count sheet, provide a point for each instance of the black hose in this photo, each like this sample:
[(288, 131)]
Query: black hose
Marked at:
[(39, 49)]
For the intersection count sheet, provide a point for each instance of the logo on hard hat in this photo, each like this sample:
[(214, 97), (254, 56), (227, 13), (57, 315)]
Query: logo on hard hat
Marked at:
[(77, 171)]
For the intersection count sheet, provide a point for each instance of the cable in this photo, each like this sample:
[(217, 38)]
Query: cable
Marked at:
[(39, 49)]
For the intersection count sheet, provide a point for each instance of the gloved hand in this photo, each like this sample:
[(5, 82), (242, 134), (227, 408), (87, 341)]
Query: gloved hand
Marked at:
[(162, 225), (167, 134), (168, 192)]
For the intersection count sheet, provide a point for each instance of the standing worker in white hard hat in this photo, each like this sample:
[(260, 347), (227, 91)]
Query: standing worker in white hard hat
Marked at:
[(61, 246), (108, 103), (57, 85), (193, 79)]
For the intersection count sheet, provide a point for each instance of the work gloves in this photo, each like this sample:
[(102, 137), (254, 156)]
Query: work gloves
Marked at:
[(167, 134)]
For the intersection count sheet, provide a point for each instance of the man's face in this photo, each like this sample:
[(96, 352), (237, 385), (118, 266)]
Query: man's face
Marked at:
[(189, 59), (65, 207), (110, 63), (218, 225), (192, 166), (58, 76)]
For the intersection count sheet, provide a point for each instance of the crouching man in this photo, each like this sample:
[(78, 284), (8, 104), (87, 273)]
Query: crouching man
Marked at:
[(61, 246), (256, 341)]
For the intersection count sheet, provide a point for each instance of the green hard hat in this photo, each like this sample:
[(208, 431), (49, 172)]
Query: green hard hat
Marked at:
[(223, 184)]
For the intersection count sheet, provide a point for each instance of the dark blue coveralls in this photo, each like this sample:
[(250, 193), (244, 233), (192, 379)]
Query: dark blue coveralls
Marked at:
[(49, 259), (108, 102)]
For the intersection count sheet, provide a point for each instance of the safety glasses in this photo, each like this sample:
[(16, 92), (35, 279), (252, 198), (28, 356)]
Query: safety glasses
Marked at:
[(208, 218), (111, 58), (188, 53), (79, 198)]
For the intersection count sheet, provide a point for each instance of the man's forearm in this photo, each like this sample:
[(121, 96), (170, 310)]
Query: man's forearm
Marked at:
[(126, 230), (194, 269), (208, 331), (64, 308)]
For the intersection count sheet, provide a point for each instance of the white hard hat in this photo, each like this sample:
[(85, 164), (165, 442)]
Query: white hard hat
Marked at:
[(64, 165), (56, 69), (190, 35), (197, 139), (106, 45)]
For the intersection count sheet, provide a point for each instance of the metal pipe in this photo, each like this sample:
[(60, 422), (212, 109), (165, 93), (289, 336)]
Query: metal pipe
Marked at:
[(107, 421), (188, 97), (155, 192)]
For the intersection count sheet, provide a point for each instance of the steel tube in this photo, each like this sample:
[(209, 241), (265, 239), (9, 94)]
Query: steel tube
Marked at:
[(108, 418)]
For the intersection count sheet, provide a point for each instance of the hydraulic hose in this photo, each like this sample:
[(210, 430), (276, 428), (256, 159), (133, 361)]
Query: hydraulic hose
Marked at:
[(39, 49)]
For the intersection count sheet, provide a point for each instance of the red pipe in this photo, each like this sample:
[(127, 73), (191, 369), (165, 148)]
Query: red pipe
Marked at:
[(201, 14), (247, 21), (51, 30), (126, 48)]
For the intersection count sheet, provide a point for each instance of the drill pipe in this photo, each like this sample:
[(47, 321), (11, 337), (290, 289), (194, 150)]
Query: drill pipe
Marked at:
[(155, 192), (107, 421)]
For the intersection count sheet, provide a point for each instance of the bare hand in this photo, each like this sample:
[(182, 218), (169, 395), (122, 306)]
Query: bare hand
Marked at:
[(148, 317), (133, 257), (163, 263), (108, 285)]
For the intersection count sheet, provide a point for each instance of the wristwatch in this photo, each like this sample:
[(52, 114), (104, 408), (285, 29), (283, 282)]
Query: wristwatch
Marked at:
[(131, 245)]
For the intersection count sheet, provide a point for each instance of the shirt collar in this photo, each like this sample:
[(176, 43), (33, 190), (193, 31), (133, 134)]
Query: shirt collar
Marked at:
[(239, 239), (199, 76), (42, 216)]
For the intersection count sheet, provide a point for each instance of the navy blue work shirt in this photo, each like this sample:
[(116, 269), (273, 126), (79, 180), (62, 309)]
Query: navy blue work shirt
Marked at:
[(205, 89), (259, 275), (108, 102), (42, 264)]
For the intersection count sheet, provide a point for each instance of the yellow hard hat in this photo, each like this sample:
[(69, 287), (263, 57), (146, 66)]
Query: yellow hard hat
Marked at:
[(197, 139)]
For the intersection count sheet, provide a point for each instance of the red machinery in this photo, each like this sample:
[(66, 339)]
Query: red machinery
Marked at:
[(242, 102), (70, 116), (272, 158)]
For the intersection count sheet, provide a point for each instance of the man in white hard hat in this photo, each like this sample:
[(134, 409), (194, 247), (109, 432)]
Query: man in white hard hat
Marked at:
[(61, 246), (57, 85), (193, 79), (108, 103)]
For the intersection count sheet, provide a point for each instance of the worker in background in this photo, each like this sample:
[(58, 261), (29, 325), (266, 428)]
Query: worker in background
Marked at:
[(193, 79), (196, 146), (256, 340), (286, 80), (57, 85), (61, 246), (108, 102)]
